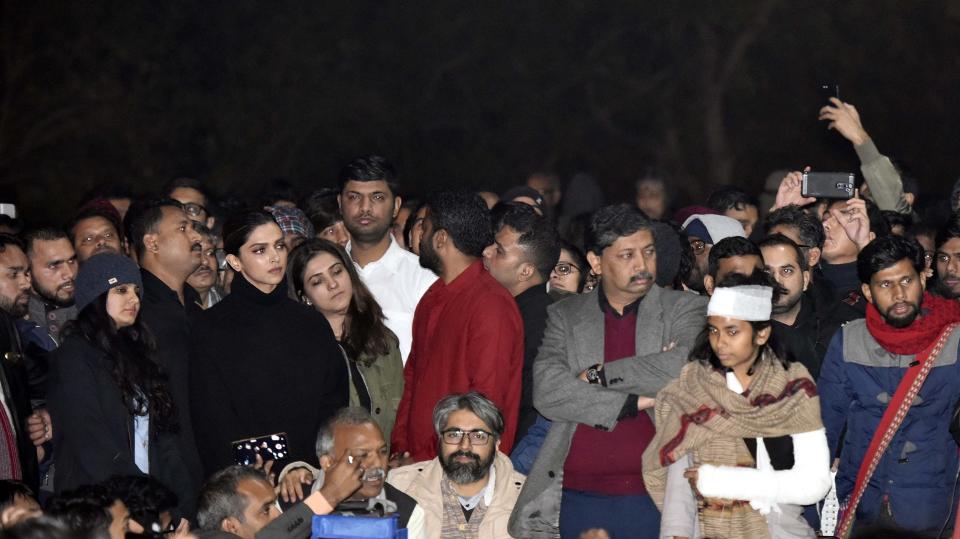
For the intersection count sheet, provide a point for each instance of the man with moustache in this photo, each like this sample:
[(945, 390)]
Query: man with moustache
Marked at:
[(355, 433), (604, 357), (947, 261), (467, 331), (369, 203), (169, 250), (204, 279), (95, 229), (470, 487), (865, 366), (53, 267)]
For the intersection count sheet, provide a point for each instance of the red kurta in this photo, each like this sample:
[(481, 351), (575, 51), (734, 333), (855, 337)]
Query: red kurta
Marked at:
[(467, 335)]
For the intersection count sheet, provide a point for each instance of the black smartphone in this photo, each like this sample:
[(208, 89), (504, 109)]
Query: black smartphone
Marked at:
[(269, 447), (828, 90), (827, 184)]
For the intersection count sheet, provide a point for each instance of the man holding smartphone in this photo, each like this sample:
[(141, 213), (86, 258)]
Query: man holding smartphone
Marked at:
[(883, 181)]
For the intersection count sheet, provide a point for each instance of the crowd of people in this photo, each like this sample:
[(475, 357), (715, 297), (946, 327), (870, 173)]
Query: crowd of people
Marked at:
[(535, 364)]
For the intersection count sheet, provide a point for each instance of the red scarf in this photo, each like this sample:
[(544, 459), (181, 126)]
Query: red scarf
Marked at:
[(936, 313)]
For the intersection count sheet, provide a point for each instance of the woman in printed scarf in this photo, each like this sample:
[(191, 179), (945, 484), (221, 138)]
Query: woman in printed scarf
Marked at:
[(740, 446)]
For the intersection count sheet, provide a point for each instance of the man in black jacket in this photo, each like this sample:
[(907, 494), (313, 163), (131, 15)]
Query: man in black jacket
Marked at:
[(21, 463), (169, 249), (526, 247)]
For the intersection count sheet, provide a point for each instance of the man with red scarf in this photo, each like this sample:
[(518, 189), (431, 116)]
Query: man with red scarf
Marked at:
[(908, 334)]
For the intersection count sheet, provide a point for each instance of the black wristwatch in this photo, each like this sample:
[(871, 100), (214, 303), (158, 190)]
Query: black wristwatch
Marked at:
[(593, 374)]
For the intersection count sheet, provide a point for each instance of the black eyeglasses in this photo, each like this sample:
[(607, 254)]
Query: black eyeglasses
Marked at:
[(193, 209), (698, 246), (565, 268), (476, 436)]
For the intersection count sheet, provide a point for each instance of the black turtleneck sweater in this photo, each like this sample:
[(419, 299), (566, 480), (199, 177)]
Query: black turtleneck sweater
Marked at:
[(262, 364)]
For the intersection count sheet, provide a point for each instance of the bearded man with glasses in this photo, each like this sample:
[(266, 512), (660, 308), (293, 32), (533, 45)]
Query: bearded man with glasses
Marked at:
[(470, 488)]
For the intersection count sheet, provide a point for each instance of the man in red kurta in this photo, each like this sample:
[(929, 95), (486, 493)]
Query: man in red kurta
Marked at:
[(467, 331)]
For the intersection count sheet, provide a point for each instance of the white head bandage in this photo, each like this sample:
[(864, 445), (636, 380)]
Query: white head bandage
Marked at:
[(750, 303)]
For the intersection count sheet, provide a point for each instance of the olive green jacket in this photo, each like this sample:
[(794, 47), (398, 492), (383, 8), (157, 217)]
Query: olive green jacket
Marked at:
[(383, 378)]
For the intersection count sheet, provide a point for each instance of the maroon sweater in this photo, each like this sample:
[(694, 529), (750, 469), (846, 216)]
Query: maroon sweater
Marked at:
[(608, 462)]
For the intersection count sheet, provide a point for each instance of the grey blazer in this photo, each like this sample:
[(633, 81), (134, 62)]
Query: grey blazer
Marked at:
[(572, 342)]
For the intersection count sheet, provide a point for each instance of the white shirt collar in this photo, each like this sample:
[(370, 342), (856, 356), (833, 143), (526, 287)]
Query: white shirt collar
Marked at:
[(392, 251)]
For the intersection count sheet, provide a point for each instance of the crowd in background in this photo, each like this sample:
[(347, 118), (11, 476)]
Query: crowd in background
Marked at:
[(529, 364)]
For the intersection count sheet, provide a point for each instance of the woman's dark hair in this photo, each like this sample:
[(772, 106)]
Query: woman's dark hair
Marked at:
[(130, 350), (365, 336), (239, 226), (578, 259), (703, 352), (886, 251)]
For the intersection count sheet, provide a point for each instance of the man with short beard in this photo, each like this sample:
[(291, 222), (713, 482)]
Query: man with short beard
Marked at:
[(369, 202), (96, 229), (796, 322), (467, 331), (53, 266), (947, 261), (868, 361), (470, 488), (19, 459)]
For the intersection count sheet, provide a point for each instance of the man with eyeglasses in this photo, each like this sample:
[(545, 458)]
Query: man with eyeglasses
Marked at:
[(524, 252), (703, 231), (194, 198), (470, 488)]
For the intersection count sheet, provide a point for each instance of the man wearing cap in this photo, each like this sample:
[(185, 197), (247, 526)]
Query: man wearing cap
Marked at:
[(704, 231), (604, 357)]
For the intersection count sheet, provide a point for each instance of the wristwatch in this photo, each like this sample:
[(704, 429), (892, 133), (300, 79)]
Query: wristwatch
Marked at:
[(593, 374)]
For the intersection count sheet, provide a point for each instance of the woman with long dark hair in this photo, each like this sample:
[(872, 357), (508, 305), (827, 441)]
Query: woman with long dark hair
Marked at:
[(323, 277), (262, 363), (740, 446), (108, 399)]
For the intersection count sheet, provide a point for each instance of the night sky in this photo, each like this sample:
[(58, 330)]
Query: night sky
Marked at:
[(464, 93)]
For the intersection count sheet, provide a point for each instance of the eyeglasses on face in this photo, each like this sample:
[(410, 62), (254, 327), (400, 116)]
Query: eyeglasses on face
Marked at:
[(698, 246), (194, 210), (565, 268), (476, 436)]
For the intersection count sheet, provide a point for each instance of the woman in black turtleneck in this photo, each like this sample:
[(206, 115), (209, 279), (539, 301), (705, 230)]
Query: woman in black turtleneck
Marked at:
[(261, 363)]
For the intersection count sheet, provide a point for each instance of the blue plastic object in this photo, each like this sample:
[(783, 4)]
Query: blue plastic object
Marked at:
[(356, 527)]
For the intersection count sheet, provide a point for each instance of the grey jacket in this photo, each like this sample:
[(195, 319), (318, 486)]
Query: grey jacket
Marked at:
[(572, 342), (886, 186)]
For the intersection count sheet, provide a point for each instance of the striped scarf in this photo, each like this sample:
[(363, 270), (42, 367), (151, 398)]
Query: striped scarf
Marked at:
[(699, 415)]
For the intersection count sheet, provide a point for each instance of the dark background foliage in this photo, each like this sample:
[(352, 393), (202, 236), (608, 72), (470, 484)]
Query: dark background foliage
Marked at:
[(236, 92)]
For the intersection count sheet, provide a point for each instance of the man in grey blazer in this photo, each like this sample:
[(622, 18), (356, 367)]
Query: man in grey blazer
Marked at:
[(604, 357)]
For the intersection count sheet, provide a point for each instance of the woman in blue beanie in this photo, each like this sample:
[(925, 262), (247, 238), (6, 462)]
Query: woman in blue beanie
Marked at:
[(109, 402)]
